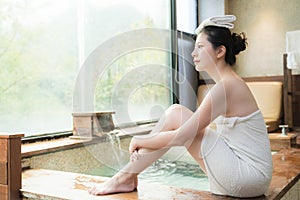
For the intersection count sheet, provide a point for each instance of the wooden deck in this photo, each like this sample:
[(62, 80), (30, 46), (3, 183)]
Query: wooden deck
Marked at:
[(57, 185)]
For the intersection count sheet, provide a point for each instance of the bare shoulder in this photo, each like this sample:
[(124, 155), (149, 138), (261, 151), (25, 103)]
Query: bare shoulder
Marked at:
[(233, 85), (240, 100)]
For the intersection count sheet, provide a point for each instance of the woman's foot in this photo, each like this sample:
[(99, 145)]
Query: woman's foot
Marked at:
[(117, 184)]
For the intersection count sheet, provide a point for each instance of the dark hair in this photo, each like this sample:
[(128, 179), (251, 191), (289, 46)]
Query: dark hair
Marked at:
[(233, 42)]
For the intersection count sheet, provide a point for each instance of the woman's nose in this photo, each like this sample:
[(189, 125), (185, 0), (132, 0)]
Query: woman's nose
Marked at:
[(193, 53)]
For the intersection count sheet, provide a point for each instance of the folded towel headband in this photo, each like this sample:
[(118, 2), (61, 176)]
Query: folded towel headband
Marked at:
[(220, 21)]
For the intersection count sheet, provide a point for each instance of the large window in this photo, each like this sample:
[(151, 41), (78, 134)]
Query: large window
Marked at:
[(45, 43)]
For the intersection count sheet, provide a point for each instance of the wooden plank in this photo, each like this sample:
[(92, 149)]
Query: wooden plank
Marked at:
[(82, 126), (278, 142), (103, 123), (10, 135), (87, 124), (14, 168), (3, 150), (287, 93), (296, 101), (3, 173), (90, 114), (4, 192), (264, 78)]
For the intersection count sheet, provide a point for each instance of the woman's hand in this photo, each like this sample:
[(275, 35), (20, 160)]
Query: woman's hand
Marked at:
[(133, 145), (134, 156), (133, 150)]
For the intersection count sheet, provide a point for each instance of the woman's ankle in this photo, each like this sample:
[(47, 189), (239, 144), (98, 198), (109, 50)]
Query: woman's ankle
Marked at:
[(126, 178)]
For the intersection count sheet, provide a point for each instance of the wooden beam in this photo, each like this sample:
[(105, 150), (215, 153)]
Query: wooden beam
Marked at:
[(14, 168), (10, 166), (287, 94)]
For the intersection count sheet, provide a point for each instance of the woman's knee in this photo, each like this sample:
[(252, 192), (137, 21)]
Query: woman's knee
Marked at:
[(177, 109), (177, 114)]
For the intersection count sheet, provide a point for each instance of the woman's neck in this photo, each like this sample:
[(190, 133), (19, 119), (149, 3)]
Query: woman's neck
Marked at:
[(221, 72)]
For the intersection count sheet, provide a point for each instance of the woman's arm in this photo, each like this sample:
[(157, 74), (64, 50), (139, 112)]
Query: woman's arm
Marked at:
[(213, 105)]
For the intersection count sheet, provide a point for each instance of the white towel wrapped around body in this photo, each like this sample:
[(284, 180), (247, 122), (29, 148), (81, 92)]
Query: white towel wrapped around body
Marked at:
[(237, 156)]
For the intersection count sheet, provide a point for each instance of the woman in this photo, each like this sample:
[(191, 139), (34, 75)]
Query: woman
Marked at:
[(236, 156)]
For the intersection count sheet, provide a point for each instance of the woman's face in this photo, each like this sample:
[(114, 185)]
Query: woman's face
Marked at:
[(204, 54)]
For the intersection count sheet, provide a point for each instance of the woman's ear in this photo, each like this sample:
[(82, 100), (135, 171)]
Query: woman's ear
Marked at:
[(221, 51)]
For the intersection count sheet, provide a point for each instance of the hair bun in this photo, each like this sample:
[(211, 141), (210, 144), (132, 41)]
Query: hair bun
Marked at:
[(239, 42)]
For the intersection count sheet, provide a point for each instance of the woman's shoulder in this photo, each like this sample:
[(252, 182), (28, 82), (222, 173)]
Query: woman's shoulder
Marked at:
[(240, 100), (232, 84), (229, 87)]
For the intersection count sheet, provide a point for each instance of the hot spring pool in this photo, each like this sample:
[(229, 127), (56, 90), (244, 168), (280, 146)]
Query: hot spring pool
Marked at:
[(183, 173), (176, 168), (176, 173)]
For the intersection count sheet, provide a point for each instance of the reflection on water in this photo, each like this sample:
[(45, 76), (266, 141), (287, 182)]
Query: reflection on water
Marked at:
[(176, 173), (173, 173)]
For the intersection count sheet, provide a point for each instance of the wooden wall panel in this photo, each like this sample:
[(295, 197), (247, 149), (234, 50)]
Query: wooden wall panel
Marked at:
[(4, 192), (3, 173), (3, 150), (296, 101)]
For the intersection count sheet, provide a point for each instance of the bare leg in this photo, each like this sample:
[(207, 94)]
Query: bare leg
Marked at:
[(195, 150), (126, 179), (176, 116)]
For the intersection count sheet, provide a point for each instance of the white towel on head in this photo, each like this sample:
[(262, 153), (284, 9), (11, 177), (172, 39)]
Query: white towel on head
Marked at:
[(293, 49), (220, 21)]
